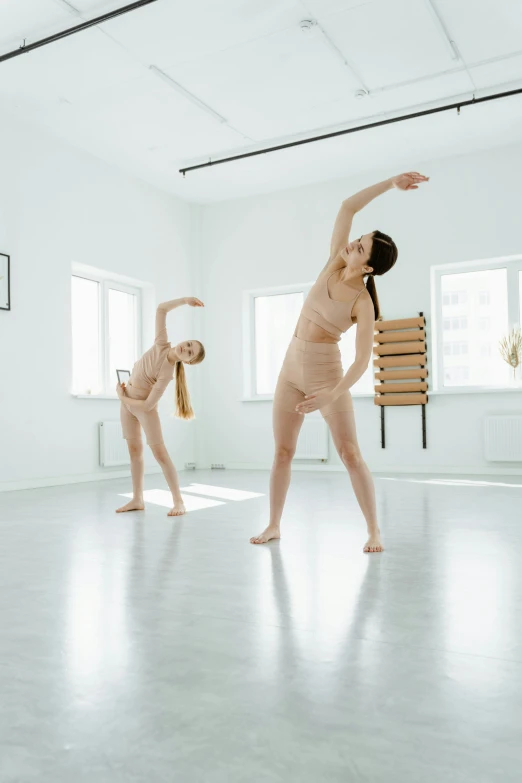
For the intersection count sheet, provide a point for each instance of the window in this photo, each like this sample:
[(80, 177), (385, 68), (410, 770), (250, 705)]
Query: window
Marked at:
[(479, 302), (85, 301), (275, 320), (455, 349), (452, 298), (106, 321), (365, 384), (519, 298), (456, 374), (455, 323), (271, 318)]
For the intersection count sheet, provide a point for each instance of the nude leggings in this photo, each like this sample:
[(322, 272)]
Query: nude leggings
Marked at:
[(310, 368)]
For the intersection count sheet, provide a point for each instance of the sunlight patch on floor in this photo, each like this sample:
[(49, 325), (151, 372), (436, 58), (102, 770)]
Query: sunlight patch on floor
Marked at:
[(453, 482), (162, 497), (221, 492)]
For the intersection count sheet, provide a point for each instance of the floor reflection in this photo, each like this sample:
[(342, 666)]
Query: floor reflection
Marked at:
[(97, 642)]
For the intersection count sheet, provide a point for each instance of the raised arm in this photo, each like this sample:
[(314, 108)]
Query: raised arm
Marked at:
[(166, 307), (358, 201)]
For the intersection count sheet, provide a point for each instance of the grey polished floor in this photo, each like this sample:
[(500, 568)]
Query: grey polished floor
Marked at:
[(142, 648)]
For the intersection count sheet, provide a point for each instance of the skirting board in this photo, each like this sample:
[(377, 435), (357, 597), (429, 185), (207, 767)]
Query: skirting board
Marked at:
[(56, 481), (440, 470)]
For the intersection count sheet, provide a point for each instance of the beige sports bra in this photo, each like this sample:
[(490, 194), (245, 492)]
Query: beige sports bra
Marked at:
[(333, 316)]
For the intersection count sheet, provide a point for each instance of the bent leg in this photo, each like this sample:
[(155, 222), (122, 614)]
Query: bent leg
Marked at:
[(287, 426), (342, 427)]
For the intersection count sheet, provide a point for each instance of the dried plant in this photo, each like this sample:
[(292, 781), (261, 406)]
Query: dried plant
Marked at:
[(511, 348)]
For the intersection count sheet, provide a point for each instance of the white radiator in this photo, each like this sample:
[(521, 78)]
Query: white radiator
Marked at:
[(313, 438), (503, 438), (113, 448)]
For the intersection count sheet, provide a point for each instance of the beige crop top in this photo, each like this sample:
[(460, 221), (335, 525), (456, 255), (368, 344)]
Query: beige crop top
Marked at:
[(153, 371), (333, 316)]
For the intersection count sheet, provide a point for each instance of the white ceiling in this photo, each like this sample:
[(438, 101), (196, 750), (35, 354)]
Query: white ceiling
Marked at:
[(249, 61)]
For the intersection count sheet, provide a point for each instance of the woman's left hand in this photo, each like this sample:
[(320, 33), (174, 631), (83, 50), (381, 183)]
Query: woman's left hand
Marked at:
[(120, 390), (313, 402)]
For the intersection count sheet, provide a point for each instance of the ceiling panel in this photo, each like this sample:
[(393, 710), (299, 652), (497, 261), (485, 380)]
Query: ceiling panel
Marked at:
[(390, 41), (484, 28), (30, 19), (174, 31), (145, 115), (500, 73), (442, 89), (322, 8), (71, 69), (92, 8), (262, 87)]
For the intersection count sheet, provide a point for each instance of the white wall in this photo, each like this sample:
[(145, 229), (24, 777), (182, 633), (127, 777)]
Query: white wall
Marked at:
[(469, 210), (57, 206)]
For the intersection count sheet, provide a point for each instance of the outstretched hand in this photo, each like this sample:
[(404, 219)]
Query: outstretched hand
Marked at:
[(409, 181), (313, 402), (193, 302)]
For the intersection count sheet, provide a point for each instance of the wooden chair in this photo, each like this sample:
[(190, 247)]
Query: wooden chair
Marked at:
[(400, 364)]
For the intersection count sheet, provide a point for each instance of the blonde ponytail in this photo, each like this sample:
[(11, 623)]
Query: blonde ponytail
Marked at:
[(183, 405)]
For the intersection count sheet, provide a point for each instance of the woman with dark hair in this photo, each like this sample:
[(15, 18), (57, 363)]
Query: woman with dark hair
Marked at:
[(312, 378), (139, 403)]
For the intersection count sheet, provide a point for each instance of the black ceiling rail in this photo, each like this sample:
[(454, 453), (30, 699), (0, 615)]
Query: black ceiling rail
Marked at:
[(24, 49), (379, 123)]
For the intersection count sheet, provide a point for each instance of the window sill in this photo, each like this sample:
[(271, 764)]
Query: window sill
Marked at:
[(96, 396), (430, 392), (270, 398), (480, 390)]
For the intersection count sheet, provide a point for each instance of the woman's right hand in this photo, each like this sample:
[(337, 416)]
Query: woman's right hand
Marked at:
[(193, 302), (409, 181)]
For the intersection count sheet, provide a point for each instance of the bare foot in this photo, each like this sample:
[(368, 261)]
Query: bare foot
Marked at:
[(132, 505), (266, 535), (178, 510), (374, 543)]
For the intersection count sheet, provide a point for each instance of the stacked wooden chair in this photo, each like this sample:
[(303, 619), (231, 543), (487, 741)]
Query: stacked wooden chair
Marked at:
[(400, 366)]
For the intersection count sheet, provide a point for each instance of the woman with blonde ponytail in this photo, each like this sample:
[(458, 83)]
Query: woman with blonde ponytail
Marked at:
[(139, 400), (312, 375)]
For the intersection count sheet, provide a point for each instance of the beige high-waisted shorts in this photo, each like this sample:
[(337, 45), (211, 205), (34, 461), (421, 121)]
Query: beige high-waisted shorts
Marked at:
[(309, 368), (131, 423)]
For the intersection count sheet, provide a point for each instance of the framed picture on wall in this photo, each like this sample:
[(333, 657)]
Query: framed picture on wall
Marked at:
[(5, 282)]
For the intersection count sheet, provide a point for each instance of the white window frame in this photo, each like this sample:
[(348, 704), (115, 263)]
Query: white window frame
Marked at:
[(105, 283), (249, 334), (513, 265), (249, 338)]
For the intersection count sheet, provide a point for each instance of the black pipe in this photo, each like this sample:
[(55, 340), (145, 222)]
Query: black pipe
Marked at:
[(77, 29), (474, 101)]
